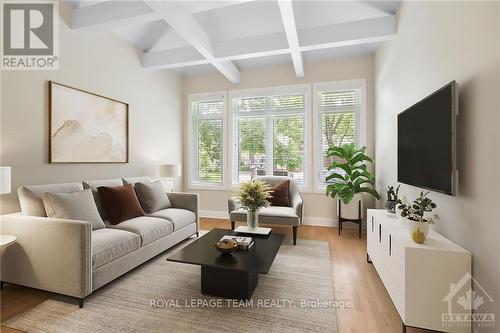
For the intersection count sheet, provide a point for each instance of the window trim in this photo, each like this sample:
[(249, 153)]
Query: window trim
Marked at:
[(268, 91), (203, 97), (312, 142), (319, 87)]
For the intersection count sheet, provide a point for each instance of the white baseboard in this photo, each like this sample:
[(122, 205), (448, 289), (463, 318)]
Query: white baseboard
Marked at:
[(214, 214), (320, 221), (308, 220)]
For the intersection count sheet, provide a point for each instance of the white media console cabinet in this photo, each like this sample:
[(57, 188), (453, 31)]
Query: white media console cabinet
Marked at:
[(423, 280)]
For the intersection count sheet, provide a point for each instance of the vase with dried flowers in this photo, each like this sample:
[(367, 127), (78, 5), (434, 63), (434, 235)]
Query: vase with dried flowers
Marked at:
[(254, 195)]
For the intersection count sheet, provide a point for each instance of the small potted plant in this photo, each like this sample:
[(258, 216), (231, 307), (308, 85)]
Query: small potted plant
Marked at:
[(415, 214), (392, 199), (253, 195)]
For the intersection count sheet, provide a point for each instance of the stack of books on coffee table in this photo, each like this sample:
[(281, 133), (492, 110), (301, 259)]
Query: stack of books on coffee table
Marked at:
[(244, 243)]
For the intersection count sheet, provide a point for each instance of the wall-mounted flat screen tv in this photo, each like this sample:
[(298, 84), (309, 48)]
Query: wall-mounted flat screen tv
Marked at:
[(426, 141)]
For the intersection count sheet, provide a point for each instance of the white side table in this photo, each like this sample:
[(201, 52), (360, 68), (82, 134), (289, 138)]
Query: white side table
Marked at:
[(6, 240)]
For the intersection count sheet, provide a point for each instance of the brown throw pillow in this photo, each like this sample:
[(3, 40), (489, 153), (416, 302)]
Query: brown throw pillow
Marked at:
[(280, 194), (120, 203)]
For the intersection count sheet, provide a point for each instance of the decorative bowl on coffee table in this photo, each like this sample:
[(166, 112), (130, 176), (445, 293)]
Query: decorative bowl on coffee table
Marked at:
[(226, 246)]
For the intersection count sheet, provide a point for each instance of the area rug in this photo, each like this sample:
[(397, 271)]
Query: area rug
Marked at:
[(159, 296)]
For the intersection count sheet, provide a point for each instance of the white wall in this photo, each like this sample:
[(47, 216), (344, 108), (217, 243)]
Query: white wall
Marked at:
[(319, 209), (438, 42), (99, 62)]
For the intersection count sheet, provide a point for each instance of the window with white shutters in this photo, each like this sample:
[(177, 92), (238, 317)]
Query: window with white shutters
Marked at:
[(207, 114), (339, 116), (269, 134)]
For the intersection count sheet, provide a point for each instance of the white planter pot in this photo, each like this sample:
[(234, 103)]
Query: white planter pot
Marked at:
[(414, 225), (351, 210)]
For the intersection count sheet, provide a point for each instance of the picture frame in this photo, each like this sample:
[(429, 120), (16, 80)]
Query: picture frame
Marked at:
[(85, 127)]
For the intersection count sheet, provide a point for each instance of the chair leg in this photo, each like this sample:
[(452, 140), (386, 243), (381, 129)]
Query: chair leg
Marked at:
[(232, 225), (294, 229), (360, 219)]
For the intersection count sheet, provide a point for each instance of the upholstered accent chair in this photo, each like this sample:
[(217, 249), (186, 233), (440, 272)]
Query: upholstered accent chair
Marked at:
[(279, 215)]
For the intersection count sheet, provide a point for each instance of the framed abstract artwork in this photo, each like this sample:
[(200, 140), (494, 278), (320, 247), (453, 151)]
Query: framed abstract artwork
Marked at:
[(85, 127)]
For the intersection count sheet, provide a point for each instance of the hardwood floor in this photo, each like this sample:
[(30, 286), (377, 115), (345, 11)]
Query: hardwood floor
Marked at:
[(353, 279)]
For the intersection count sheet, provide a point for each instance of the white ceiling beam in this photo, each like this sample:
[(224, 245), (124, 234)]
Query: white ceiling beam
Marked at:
[(174, 58), (288, 18), (189, 29), (348, 33), (331, 36)]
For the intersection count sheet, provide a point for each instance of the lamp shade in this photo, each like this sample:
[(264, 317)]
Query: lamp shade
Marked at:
[(4, 180), (169, 170)]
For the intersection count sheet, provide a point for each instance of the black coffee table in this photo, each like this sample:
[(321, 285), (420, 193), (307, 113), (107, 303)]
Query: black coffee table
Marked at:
[(230, 275)]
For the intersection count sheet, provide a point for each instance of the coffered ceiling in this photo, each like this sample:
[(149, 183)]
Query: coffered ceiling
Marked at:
[(226, 36)]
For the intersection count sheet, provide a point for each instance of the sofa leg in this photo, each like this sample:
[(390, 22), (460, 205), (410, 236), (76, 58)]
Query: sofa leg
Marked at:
[(232, 225), (1, 285), (80, 302), (197, 234), (294, 228)]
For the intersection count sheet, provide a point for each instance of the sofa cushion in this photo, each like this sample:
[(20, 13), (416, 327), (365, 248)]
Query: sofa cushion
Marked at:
[(271, 215), (110, 244), (152, 196), (120, 203), (94, 184), (149, 228), (78, 205), (180, 217), (30, 197), (280, 194), (133, 180)]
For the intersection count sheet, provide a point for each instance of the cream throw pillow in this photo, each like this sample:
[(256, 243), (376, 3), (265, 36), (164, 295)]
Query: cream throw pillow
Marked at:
[(79, 205)]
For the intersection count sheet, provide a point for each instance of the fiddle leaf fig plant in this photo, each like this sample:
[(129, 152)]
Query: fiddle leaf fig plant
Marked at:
[(349, 173)]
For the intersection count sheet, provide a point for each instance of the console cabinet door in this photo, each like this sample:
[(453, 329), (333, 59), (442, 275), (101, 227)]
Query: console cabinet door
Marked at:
[(395, 269), (370, 235)]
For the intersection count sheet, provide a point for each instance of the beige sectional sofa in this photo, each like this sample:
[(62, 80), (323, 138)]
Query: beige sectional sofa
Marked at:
[(68, 257)]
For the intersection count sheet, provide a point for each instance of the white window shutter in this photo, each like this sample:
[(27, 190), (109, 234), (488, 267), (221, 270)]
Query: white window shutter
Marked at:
[(339, 116), (269, 136), (207, 139)]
